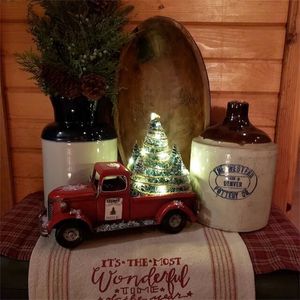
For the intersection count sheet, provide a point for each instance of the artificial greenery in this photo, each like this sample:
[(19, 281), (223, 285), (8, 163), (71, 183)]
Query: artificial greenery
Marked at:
[(78, 43)]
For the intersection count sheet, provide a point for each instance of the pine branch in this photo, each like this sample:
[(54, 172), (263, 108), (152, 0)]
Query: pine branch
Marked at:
[(77, 38)]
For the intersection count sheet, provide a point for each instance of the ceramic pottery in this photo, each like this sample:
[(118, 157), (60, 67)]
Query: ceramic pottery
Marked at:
[(162, 71), (74, 142), (232, 170)]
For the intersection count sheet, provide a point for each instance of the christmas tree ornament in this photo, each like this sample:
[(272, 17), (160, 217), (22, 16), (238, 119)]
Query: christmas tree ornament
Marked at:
[(232, 170), (157, 169)]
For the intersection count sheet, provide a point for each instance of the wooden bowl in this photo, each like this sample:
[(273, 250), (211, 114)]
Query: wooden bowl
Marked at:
[(162, 71)]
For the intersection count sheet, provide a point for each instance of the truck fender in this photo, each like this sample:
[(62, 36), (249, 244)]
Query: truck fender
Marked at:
[(72, 215), (175, 205)]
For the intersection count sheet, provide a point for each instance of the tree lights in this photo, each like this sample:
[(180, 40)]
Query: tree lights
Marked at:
[(156, 169)]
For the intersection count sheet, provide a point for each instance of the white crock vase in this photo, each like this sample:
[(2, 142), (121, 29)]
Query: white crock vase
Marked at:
[(232, 170), (74, 142)]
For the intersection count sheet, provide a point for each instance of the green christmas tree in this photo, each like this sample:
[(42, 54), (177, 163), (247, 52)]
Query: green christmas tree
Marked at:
[(178, 166), (135, 154), (113, 211), (156, 169)]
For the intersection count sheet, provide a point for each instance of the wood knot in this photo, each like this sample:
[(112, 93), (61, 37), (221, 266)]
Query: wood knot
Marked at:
[(291, 38), (161, 6)]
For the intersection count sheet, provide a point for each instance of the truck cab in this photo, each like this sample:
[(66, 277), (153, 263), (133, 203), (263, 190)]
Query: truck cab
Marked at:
[(105, 203)]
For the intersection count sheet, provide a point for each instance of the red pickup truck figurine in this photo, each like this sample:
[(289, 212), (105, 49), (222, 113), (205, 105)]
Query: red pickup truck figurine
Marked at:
[(106, 204)]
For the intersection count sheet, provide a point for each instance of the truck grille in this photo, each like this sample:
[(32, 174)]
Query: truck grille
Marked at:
[(50, 208)]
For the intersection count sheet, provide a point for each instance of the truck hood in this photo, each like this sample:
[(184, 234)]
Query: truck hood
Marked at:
[(73, 191)]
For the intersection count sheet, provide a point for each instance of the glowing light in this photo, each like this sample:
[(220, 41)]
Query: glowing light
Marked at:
[(138, 184), (131, 161), (143, 152), (185, 172), (157, 135), (69, 175), (195, 164), (154, 116), (163, 156), (162, 189)]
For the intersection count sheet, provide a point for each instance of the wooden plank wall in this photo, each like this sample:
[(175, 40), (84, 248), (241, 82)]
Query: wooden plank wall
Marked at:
[(6, 186), (288, 117), (242, 42)]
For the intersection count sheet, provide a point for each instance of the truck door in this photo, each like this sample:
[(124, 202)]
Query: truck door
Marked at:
[(113, 203)]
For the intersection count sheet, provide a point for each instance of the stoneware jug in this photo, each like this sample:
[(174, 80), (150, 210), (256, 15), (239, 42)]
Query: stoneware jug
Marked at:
[(232, 170)]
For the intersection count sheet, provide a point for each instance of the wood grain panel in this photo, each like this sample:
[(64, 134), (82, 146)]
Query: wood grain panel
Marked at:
[(25, 186), (244, 76), (6, 183), (237, 76), (288, 125), (213, 41), (204, 11), (245, 11), (239, 41), (270, 131), (14, 76), (11, 44), (26, 133), (29, 104), (27, 163)]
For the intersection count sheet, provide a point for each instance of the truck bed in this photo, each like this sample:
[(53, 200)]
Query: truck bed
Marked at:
[(145, 207)]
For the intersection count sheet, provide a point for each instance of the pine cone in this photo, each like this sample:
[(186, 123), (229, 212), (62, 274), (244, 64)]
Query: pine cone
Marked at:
[(93, 86), (104, 6), (60, 82), (71, 89)]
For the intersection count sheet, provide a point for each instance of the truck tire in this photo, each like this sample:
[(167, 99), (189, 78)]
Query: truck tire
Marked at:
[(174, 221), (70, 234)]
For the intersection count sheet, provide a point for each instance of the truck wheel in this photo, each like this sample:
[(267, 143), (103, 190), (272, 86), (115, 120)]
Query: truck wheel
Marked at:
[(174, 221), (70, 234)]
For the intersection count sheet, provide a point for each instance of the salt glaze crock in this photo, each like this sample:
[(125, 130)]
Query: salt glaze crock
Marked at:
[(232, 170)]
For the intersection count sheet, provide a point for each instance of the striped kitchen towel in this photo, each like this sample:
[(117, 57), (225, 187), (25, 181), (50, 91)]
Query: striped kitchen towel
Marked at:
[(198, 263)]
